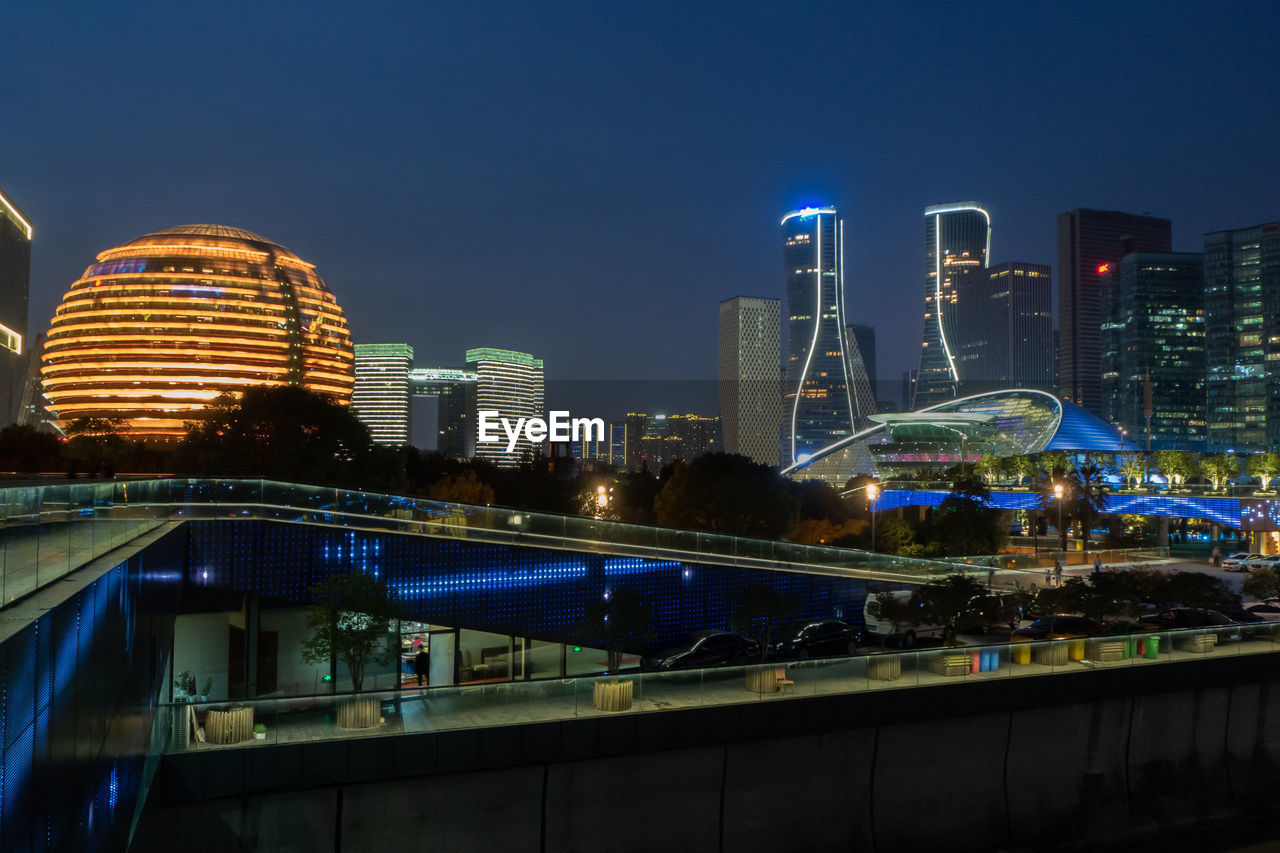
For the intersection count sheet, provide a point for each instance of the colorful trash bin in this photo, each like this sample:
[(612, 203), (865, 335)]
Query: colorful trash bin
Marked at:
[(1021, 653), (1153, 648)]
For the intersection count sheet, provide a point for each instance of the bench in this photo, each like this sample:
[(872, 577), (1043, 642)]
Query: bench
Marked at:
[(1198, 643), (950, 664), (1105, 650)]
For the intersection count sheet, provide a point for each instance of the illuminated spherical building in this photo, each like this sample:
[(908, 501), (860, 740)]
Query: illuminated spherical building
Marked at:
[(162, 325)]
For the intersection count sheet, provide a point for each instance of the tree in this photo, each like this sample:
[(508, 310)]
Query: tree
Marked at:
[(285, 433), (898, 611), (1264, 466), (946, 603), (348, 618), (964, 525), (1178, 466), (1195, 589), (619, 620), (29, 450), (1262, 584), (95, 443), (727, 493), (464, 488), (993, 467), (1131, 466), (1086, 497), (893, 535), (758, 610), (1220, 467)]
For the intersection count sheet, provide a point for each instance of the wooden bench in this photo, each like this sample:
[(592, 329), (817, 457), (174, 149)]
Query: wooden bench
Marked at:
[(950, 664), (1105, 650), (1198, 643)]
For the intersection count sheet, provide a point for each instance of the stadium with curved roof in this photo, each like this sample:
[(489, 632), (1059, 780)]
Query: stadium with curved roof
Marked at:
[(1001, 423), (166, 323)]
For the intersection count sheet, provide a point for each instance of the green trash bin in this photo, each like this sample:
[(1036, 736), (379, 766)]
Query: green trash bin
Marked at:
[(1153, 647), (1131, 647)]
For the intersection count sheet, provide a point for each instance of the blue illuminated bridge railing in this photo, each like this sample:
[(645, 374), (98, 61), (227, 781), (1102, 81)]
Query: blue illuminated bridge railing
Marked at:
[(47, 531), (1227, 511)]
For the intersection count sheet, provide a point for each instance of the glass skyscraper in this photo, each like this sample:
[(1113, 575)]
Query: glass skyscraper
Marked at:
[(957, 241), (1088, 241), (1242, 337), (823, 399), (1153, 331), (15, 276), (1004, 335)]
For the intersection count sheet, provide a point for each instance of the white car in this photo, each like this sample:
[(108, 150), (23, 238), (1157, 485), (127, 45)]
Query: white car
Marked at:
[(902, 633), (1270, 561), (1236, 561)]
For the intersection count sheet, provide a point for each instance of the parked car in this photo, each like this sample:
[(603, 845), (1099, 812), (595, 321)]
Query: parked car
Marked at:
[(1267, 611), (998, 611), (1061, 627), (705, 648), (1267, 561), (823, 638), (1186, 617), (903, 633), (1238, 562)]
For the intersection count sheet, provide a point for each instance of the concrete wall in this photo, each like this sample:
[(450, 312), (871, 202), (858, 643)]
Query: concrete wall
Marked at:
[(200, 646), (927, 770)]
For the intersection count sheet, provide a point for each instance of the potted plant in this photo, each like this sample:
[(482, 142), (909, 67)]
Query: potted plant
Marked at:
[(348, 619), (183, 684), (259, 731), (207, 689)]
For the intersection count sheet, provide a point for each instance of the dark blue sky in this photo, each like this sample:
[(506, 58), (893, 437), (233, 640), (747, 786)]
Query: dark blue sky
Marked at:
[(587, 181)]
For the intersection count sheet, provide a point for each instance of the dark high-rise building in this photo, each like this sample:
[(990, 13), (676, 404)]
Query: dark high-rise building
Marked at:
[(455, 393), (1004, 329), (15, 277), (822, 400), (750, 375), (671, 438), (908, 388), (1242, 337), (957, 240), (865, 337), (1153, 330), (1089, 241)]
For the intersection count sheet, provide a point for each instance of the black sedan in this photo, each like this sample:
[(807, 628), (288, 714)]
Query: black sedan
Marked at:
[(1186, 617), (1060, 628), (705, 648), (826, 638)]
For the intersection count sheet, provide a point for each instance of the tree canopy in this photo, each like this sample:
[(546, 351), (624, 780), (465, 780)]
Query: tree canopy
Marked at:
[(727, 493)]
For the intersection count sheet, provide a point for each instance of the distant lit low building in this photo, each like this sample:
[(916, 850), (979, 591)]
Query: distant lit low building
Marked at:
[(162, 325), (1002, 423)]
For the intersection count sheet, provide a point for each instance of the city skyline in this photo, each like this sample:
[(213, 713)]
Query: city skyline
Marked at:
[(399, 262)]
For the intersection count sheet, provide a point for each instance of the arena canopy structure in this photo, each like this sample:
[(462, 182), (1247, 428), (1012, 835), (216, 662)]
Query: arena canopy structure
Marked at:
[(1013, 422), (161, 326)]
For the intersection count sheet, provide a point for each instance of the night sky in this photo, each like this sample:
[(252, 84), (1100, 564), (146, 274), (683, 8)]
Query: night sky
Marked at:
[(587, 181)]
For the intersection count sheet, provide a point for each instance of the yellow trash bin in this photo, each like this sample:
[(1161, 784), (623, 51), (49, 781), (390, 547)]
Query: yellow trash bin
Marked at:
[(1021, 652), (1076, 650)]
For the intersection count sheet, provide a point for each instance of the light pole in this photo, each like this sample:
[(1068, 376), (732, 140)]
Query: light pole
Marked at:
[(873, 492), (1057, 492)]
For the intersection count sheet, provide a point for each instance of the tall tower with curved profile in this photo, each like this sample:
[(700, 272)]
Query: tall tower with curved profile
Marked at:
[(957, 240), (824, 396), (15, 274), (161, 326)]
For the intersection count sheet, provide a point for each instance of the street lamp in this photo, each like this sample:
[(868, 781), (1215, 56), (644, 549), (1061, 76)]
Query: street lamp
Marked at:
[(1057, 492), (873, 492)]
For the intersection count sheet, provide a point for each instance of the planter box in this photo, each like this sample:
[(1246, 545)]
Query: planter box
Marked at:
[(1106, 650), (1054, 654), (612, 695), (359, 713), (229, 726), (884, 667), (1198, 643)]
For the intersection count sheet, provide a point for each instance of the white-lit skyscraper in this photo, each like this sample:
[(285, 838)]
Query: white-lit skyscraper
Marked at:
[(823, 399), (751, 376), (957, 239), (15, 275), (380, 398), (509, 384)]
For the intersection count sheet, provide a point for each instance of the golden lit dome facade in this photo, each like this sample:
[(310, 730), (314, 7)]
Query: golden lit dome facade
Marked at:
[(162, 325)]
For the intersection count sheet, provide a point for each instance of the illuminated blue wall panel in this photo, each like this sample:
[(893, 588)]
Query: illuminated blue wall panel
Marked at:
[(530, 592), (1225, 511)]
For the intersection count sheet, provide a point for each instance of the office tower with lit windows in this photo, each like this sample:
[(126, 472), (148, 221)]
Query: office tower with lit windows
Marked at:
[(824, 400), (1153, 331), (380, 398), (1004, 329), (1242, 338), (1089, 241), (957, 243), (750, 377), (864, 337), (163, 325), (508, 385), (15, 278)]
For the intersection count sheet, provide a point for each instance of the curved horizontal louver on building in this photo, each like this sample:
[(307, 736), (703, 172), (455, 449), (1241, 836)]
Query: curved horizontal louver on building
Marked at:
[(162, 325)]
